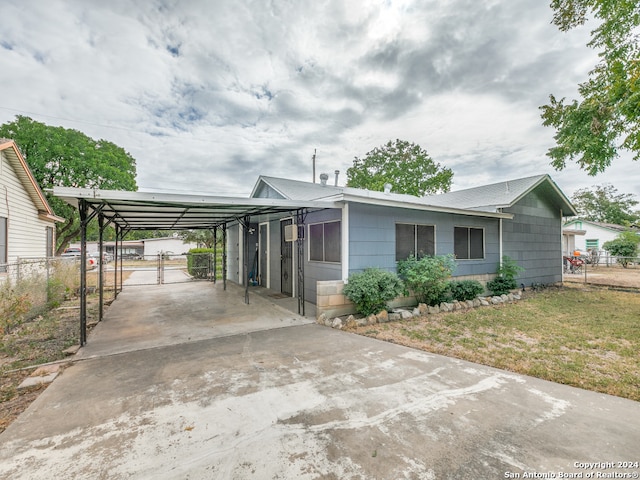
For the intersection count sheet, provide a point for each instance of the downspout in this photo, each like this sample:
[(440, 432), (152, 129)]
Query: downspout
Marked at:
[(500, 234), (345, 242)]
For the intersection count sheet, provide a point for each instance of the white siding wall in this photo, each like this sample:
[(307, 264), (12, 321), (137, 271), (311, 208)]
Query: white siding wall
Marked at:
[(27, 233), (592, 232)]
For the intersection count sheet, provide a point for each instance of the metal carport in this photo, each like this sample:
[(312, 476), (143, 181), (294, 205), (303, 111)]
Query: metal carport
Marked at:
[(128, 211)]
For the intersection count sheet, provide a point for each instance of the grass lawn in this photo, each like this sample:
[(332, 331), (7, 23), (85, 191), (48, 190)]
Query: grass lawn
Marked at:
[(584, 337)]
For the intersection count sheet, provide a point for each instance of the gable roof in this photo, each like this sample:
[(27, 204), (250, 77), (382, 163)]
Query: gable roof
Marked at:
[(20, 167), (505, 194), (298, 190), (607, 226), (484, 200)]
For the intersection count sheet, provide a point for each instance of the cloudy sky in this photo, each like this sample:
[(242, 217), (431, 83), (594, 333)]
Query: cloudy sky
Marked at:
[(208, 94)]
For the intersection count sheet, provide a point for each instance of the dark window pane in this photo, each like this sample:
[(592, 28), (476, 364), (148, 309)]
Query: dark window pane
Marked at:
[(405, 241), (461, 242), (332, 242), (316, 242), (425, 240), (476, 243)]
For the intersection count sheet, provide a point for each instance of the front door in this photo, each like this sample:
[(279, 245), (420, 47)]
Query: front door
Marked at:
[(286, 260)]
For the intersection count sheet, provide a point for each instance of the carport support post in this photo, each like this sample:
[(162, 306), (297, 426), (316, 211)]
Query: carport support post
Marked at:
[(300, 217), (82, 207), (115, 263), (224, 257), (245, 267), (215, 253), (101, 265)]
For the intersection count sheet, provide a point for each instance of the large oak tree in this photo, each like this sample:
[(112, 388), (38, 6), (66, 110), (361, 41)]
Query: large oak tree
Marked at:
[(406, 166), (68, 158), (606, 119)]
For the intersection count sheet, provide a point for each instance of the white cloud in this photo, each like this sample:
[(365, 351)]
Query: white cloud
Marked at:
[(208, 95)]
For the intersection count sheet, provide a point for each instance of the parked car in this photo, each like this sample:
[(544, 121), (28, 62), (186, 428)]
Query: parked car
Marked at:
[(75, 253)]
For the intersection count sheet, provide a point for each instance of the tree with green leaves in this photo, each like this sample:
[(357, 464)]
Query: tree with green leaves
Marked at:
[(624, 246), (603, 203), (203, 237), (606, 120), (406, 166), (68, 158)]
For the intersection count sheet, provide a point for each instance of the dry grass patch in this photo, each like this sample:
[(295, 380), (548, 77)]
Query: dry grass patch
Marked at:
[(584, 337)]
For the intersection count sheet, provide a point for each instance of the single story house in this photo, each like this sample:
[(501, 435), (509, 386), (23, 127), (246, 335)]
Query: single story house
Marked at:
[(147, 247), (521, 218), (27, 222), (595, 234)]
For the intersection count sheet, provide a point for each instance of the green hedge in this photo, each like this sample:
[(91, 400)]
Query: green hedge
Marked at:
[(372, 289), (200, 262)]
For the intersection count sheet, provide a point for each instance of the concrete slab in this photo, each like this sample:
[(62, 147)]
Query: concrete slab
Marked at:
[(306, 402), (155, 315)]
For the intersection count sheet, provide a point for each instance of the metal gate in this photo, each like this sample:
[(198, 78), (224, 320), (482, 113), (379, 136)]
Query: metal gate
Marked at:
[(165, 268)]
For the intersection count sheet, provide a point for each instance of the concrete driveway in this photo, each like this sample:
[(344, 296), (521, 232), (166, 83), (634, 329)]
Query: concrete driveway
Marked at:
[(187, 382)]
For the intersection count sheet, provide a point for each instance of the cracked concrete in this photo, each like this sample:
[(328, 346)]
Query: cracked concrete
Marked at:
[(295, 400)]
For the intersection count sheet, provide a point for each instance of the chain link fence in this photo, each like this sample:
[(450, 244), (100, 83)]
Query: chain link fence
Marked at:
[(601, 268)]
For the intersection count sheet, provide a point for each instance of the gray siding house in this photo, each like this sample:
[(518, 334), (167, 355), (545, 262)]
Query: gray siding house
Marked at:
[(520, 218)]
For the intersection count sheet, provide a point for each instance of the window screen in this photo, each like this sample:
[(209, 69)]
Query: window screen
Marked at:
[(468, 243), (325, 242), (414, 239)]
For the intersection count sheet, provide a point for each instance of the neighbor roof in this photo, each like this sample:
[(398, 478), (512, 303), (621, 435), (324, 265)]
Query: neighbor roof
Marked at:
[(609, 226), (22, 171)]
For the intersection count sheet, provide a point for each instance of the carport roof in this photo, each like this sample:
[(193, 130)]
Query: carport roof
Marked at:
[(171, 211)]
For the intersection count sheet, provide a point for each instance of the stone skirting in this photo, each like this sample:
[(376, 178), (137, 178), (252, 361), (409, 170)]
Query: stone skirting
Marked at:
[(331, 302), (330, 299)]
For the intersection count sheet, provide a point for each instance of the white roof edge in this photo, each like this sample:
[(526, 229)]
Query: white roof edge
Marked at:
[(70, 193), (264, 180), (422, 206)]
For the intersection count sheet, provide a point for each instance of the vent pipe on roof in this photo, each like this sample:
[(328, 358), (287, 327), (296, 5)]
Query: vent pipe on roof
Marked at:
[(323, 179), (337, 172), (387, 188)]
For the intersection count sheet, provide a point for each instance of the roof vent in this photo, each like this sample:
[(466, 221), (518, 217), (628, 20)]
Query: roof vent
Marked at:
[(337, 172), (387, 188), (323, 179)]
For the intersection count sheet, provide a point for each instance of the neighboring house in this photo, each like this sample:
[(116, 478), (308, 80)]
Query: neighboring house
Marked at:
[(27, 222), (520, 218), (147, 247), (592, 234)]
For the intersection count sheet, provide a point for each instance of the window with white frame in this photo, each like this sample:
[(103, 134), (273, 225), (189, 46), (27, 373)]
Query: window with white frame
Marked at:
[(414, 240), (592, 243), (468, 243), (325, 242)]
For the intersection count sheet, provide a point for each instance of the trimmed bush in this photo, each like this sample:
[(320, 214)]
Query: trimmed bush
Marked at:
[(506, 279), (465, 289), (427, 277), (372, 289), (199, 262)]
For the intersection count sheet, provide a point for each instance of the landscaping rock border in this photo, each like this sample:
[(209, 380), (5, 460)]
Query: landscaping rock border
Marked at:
[(421, 310)]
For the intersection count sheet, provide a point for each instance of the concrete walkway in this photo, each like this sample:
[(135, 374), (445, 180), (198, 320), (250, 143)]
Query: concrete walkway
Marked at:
[(189, 383)]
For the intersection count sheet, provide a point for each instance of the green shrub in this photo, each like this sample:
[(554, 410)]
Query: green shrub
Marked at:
[(465, 289), (427, 277), (372, 289), (501, 285), (625, 247), (199, 262), (506, 279)]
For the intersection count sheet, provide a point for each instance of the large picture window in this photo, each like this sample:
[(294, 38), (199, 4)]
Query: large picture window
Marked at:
[(468, 243), (414, 240), (325, 242)]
